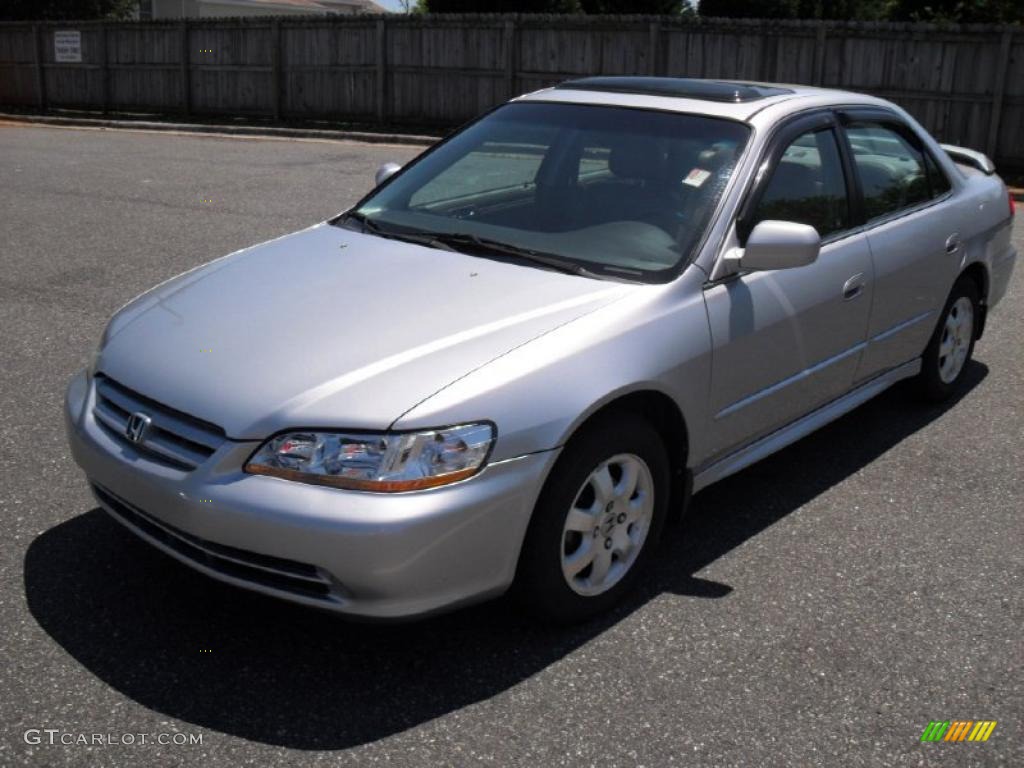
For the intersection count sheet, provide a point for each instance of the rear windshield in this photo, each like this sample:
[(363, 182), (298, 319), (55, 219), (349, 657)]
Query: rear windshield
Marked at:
[(619, 191)]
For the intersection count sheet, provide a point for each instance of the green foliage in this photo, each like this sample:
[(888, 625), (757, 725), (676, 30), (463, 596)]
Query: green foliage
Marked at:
[(957, 11), (66, 9), (501, 6), (859, 10), (749, 9), (653, 7)]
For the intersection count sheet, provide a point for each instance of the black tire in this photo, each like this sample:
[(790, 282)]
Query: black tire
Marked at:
[(929, 383), (540, 584)]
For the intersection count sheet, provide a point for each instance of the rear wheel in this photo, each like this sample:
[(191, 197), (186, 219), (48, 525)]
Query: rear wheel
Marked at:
[(951, 346), (597, 520)]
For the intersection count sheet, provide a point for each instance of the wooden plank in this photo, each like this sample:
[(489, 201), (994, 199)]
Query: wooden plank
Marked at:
[(186, 78), (37, 34), (998, 92), (275, 70), (382, 74), (231, 68), (654, 66), (818, 76), (66, 66), (511, 45), (105, 73)]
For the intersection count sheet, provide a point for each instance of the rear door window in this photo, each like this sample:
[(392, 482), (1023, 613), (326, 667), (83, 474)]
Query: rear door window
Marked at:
[(893, 169)]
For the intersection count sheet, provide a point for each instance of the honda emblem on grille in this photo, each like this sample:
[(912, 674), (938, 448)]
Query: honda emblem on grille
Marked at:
[(137, 425)]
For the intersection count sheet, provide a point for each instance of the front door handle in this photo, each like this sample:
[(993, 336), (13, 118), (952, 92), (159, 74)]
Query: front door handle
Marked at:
[(853, 287), (953, 243)]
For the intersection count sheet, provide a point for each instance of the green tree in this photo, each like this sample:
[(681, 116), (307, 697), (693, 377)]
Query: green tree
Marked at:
[(633, 6), (501, 6), (963, 11), (66, 9), (862, 10), (959, 11), (749, 9)]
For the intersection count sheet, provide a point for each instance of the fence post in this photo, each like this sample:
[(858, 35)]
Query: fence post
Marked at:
[(998, 92), (186, 78), (653, 38), (38, 33), (818, 76), (382, 95), (105, 71), (510, 58), (275, 68)]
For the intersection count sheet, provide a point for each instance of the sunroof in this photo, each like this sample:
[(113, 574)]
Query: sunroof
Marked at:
[(709, 90)]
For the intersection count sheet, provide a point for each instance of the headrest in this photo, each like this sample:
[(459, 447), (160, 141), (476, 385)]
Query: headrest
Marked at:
[(875, 177)]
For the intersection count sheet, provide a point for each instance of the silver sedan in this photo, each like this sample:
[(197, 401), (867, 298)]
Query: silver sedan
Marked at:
[(510, 362)]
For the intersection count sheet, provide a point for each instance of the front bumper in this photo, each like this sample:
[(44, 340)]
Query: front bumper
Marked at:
[(366, 554)]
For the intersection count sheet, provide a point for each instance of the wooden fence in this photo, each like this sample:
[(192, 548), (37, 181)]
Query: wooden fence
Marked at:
[(965, 84)]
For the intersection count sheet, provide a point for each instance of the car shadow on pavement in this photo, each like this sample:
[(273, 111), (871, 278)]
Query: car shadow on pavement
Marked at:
[(239, 663)]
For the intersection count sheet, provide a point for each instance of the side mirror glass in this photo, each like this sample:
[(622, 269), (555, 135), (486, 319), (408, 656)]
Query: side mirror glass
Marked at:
[(385, 172), (780, 245)]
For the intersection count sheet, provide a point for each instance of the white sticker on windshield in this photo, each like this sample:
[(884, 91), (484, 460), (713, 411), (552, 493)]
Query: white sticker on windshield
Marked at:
[(696, 177)]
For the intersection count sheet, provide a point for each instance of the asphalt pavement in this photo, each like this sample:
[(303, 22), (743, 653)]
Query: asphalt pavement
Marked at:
[(819, 608)]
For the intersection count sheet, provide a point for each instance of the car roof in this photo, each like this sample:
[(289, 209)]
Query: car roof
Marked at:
[(738, 100), (684, 87)]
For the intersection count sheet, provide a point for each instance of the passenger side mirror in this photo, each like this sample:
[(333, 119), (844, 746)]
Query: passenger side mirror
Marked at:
[(780, 245), (385, 172)]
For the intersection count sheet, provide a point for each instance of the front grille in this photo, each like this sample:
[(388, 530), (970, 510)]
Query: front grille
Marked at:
[(173, 438), (275, 573)]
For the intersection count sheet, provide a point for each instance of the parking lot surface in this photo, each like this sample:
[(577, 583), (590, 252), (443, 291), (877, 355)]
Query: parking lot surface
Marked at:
[(819, 608)]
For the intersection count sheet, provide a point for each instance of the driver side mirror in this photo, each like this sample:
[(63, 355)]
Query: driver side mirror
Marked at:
[(385, 172), (779, 245)]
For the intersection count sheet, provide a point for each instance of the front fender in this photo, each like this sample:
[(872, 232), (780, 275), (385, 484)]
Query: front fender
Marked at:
[(541, 392)]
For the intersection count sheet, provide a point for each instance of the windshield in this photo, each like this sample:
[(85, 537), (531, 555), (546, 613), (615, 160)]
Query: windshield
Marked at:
[(609, 190)]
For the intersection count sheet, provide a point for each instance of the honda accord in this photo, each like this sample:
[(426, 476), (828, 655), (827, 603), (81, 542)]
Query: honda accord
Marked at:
[(513, 359)]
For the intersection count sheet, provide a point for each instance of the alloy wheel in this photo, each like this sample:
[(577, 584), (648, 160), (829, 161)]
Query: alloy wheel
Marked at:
[(607, 524), (957, 333)]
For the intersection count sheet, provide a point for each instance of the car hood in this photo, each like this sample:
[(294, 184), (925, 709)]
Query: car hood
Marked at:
[(328, 327)]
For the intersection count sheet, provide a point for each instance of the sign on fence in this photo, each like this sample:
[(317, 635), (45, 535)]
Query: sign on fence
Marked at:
[(67, 45)]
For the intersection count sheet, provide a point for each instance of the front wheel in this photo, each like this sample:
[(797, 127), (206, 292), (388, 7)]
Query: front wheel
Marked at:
[(596, 521), (951, 346)]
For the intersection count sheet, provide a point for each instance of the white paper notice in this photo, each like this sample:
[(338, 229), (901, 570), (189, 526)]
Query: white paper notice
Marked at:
[(67, 45), (696, 177)]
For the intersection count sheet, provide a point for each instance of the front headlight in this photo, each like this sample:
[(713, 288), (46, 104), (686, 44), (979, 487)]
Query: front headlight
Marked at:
[(388, 463), (94, 361)]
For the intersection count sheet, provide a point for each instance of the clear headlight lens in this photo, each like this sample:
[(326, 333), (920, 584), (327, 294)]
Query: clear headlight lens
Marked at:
[(94, 360), (387, 463)]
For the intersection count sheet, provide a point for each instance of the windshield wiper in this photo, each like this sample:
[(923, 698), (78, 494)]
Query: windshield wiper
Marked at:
[(374, 228), (461, 240)]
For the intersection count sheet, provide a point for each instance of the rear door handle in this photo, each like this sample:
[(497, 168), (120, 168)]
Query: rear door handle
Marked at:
[(953, 243), (853, 287)]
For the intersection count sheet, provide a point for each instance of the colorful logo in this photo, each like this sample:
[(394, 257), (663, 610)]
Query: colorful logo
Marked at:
[(958, 730)]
